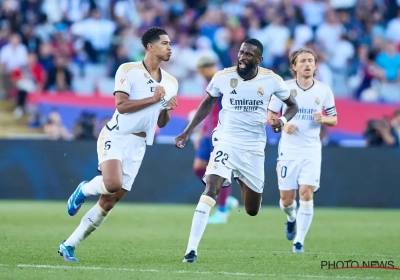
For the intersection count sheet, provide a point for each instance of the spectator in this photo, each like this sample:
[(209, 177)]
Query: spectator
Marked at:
[(59, 78), (384, 132), (27, 79), (54, 128), (389, 60), (85, 128), (12, 56)]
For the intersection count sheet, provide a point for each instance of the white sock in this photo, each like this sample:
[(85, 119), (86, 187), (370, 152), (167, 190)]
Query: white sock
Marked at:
[(290, 210), (89, 223), (199, 222), (303, 220), (95, 187)]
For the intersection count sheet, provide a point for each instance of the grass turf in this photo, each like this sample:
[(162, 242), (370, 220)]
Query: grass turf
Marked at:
[(148, 242)]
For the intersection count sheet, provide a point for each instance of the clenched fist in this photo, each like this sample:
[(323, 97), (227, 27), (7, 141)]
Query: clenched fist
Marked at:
[(159, 93), (172, 103), (276, 124), (289, 128), (318, 117)]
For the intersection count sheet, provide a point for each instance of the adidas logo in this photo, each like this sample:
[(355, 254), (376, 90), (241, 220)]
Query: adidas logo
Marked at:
[(150, 81), (233, 92)]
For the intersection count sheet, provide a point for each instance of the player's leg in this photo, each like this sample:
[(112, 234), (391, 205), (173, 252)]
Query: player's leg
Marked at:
[(89, 223), (287, 172), (249, 173), (251, 199), (202, 156), (202, 212), (216, 175), (221, 215), (119, 175), (309, 181), (109, 151), (112, 176)]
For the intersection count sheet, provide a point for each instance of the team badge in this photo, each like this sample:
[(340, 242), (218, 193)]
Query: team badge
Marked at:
[(146, 76), (260, 91), (234, 82), (293, 92), (317, 101)]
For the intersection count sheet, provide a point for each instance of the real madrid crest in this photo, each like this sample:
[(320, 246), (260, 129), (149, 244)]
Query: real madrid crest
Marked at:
[(260, 91), (145, 75), (293, 92), (234, 82), (317, 101)]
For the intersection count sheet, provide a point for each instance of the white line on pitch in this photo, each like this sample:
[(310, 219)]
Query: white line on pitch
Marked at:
[(181, 271)]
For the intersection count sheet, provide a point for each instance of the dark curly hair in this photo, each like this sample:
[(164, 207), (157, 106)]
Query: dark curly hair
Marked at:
[(152, 35)]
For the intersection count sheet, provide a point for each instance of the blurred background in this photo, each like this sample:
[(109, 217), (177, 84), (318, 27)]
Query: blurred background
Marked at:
[(58, 59)]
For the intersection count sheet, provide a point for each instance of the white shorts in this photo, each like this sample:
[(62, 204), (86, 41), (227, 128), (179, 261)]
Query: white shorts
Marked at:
[(293, 173), (247, 166), (129, 149)]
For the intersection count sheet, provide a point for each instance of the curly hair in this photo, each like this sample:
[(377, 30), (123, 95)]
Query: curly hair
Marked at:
[(152, 35), (293, 58)]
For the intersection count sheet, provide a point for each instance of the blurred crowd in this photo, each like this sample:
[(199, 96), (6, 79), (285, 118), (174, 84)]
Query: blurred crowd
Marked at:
[(77, 45)]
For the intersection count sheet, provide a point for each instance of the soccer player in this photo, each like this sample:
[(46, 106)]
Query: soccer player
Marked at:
[(239, 139), (206, 68), (144, 96), (299, 155)]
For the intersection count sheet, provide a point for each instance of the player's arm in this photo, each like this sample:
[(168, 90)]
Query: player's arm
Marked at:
[(282, 92), (125, 105), (327, 120), (274, 107), (291, 108), (202, 112), (331, 116), (122, 90), (165, 116)]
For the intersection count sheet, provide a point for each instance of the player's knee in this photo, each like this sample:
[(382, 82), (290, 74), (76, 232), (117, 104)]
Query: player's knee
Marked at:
[(211, 191), (252, 211), (287, 201), (108, 204), (113, 185), (306, 194)]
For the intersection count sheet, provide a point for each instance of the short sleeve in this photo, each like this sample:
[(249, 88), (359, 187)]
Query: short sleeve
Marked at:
[(275, 104), (281, 90), (329, 104), (212, 88), (121, 81)]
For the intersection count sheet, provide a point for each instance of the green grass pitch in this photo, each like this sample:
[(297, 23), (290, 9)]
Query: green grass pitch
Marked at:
[(143, 241)]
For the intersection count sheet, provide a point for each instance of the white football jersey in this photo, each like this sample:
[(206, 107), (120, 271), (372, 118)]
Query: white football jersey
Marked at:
[(305, 141), (134, 80), (242, 119)]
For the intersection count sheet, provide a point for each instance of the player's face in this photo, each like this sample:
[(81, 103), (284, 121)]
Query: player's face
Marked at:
[(248, 59), (162, 48), (305, 65)]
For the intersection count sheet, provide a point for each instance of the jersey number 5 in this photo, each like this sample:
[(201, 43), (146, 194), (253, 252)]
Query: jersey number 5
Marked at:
[(107, 145), (220, 154)]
